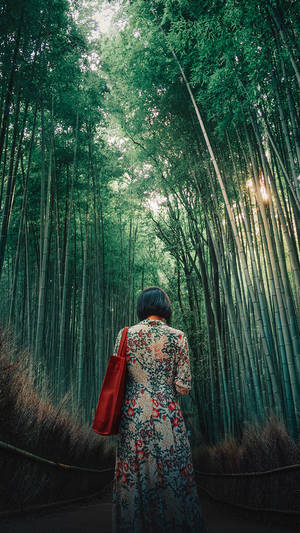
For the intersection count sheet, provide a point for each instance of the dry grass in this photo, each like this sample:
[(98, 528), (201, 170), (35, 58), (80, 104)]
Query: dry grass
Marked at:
[(36, 425), (261, 448)]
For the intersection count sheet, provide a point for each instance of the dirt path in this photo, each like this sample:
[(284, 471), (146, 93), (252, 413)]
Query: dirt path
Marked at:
[(95, 517)]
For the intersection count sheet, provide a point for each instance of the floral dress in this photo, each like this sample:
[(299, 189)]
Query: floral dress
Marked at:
[(154, 488)]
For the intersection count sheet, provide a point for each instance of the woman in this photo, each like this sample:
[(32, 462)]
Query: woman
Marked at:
[(154, 489)]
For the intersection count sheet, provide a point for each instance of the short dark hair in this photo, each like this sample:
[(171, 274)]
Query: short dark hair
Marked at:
[(154, 301)]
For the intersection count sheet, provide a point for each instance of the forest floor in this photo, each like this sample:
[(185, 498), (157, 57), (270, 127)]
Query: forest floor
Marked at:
[(94, 516)]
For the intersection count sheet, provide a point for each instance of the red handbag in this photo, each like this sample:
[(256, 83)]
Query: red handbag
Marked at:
[(108, 412)]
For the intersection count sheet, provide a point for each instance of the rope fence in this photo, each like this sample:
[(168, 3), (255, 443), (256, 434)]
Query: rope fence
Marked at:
[(249, 508), (39, 459), (34, 457), (245, 474)]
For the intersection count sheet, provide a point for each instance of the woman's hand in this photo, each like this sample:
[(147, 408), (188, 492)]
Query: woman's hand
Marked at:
[(182, 390)]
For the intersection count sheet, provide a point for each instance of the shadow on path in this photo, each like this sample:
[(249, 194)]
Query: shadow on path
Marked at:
[(95, 517)]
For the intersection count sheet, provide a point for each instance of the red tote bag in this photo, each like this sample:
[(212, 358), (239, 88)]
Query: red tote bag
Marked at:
[(108, 412)]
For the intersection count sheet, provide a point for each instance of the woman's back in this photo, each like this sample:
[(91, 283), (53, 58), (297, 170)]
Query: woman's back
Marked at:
[(154, 351)]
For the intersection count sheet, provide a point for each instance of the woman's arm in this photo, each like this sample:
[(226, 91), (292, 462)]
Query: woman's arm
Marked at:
[(183, 376)]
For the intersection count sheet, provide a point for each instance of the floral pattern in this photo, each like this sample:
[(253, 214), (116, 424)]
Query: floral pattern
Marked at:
[(154, 488)]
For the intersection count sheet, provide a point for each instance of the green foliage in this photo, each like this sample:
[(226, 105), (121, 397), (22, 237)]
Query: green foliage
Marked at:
[(134, 198)]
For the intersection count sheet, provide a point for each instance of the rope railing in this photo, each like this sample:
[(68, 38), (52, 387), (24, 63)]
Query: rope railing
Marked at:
[(66, 467), (246, 474), (39, 459), (32, 456), (249, 507), (35, 457)]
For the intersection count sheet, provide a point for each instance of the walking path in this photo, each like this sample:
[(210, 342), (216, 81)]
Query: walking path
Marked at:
[(95, 517)]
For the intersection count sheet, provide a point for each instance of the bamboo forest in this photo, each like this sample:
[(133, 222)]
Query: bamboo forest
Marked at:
[(154, 144), (166, 154)]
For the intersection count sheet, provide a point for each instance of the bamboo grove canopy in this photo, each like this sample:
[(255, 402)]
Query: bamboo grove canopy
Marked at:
[(164, 151)]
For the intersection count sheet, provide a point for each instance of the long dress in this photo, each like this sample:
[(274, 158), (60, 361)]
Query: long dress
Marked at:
[(154, 488)]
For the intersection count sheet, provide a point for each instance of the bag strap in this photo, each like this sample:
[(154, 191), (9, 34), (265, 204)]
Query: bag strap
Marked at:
[(123, 343)]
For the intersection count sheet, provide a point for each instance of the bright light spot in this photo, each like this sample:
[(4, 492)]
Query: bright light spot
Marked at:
[(105, 18), (155, 202), (264, 193), (114, 185), (118, 142)]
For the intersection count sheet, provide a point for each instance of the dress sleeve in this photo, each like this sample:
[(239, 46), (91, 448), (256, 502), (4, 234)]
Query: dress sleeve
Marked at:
[(117, 342), (183, 368)]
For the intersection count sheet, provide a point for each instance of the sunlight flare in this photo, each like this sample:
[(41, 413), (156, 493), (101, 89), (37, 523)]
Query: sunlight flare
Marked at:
[(155, 202)]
